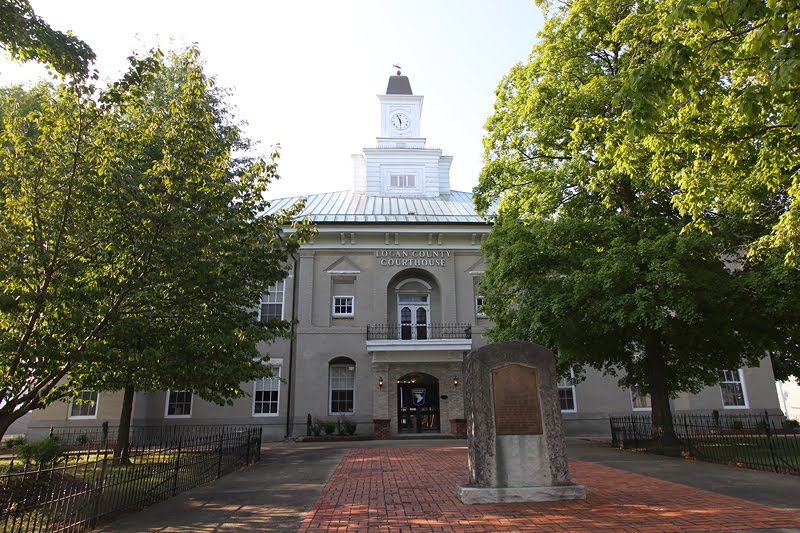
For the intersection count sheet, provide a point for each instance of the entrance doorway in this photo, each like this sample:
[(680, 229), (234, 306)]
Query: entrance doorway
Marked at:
[(418, 404), (414, 312)]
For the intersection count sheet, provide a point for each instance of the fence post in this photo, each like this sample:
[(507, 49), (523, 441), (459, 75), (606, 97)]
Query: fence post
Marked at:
[(258, 444), (688, 434), (767, 428), (614, 443), (177, 468), (219, 453), (247, 456), (98, 494)]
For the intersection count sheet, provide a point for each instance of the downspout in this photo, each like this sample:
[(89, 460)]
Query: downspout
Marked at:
[(292, 349)]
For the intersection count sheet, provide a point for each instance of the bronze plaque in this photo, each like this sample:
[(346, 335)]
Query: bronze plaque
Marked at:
[(516, 400)]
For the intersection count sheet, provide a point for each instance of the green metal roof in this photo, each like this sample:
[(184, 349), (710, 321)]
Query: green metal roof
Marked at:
[(347, 207)]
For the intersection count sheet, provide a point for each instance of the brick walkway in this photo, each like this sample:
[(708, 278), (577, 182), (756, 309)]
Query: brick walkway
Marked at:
[(413, 489)]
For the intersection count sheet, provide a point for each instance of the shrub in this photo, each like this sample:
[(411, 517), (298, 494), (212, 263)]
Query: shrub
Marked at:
[(45, 451), (316, 428), (346, 426), (791, 424), (13, 442), (329, 426), (309, 425)]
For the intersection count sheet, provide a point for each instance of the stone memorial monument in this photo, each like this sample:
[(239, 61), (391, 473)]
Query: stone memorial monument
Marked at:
[(514, 431)]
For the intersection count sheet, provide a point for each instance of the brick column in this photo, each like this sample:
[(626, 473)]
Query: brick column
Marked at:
[(458, 427), (382, 430)]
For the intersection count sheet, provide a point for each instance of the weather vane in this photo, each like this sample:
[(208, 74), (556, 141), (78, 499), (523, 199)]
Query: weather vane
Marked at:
[(397, 67)]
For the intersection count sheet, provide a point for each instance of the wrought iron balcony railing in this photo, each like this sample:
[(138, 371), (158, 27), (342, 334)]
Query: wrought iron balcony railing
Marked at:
[(418, 332)]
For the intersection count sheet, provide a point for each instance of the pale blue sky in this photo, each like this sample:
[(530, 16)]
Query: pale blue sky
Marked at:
[(305, 73)]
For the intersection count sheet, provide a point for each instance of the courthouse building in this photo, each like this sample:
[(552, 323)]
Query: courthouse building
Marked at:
[(387, 305)]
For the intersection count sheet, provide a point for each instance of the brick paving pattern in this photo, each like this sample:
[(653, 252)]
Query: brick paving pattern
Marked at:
[(413, 490)]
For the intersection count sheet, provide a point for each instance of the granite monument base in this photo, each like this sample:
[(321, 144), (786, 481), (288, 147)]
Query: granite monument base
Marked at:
[(470, 495)]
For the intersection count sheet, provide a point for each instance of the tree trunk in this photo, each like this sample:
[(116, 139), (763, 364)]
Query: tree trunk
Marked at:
[(9, 417), (663, 429), (5, 423), (122, 447)]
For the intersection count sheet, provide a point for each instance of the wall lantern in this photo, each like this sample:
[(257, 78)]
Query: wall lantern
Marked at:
[(455, 381), (380, 382)]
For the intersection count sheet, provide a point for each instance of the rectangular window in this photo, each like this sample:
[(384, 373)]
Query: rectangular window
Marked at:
[(266, 393), (640, 400), (479, 301), (403, 181), (179, 403), (731, 385), (342, 388), (343, 306), (271, 307), (566, 393), (85, 405)]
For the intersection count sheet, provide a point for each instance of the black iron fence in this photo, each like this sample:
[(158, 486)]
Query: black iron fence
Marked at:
[(418, 331), (98, 437), (85, 484), (759, 441)]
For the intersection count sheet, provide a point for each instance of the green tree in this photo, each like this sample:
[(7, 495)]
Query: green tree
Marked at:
[(26, 36), (716, 103), (201, 334), (590, 256), (135, 243)]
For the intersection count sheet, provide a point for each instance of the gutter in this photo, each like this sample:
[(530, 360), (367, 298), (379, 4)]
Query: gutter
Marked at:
[(292, 350)]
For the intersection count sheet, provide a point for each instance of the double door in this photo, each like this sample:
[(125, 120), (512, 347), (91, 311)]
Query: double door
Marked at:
[(418, 405), (413, 310)]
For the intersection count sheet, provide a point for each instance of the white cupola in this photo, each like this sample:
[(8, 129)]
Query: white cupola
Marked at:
[(400, 165)]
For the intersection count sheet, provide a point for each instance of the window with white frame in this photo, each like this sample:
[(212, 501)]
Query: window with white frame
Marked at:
[(342, 374), (179, 403), (266, 393), (84, 405), (731, 385), (343, 306), (566, 393), (271, 307), (640, 400), (403, 181), (479, 302)]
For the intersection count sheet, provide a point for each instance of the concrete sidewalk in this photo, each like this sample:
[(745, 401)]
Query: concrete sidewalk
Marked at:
[(767, 488), (277, 494)]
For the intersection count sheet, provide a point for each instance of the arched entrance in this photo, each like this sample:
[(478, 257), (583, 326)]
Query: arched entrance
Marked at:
[(418, 404)]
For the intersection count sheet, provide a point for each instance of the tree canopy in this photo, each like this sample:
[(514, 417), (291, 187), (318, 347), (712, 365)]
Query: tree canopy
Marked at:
[(135, 241), (591, 254), (26, 36), (716, 102)]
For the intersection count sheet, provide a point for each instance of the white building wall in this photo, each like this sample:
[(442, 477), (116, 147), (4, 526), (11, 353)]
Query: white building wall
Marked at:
[(789, 397)]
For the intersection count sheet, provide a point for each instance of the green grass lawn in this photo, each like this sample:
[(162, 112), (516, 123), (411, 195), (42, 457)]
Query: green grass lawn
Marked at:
[(756, 451), (148, 478)]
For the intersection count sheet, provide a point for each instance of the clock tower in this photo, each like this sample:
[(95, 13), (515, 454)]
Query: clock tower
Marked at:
[(401, 111), (400, 165)]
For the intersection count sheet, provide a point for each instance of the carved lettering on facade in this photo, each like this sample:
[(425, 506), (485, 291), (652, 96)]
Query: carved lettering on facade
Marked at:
[(413, 258), (516, 400)]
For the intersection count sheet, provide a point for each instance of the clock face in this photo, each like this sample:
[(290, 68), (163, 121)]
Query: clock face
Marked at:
[(400, 121)]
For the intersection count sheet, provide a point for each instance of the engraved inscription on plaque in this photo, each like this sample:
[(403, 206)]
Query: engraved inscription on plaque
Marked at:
[(516, 400)]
